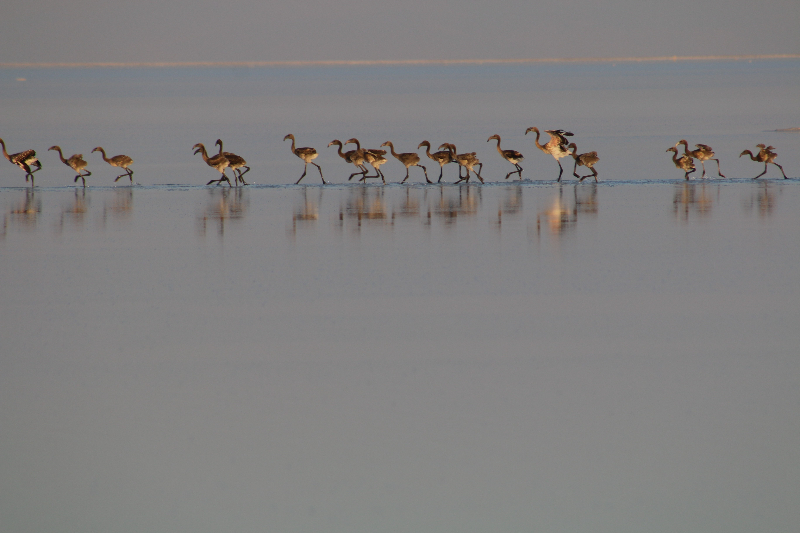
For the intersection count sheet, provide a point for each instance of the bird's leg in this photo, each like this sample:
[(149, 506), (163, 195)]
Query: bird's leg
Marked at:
[(243, 173), (703, 164), (765, 171), (519, 170), (441, 172), (404, 179), (478, 173), (782, 172), (721, 175), (426, 174), (560, 170), (383, 178), (575, 171), (305, 168), (318, 168)]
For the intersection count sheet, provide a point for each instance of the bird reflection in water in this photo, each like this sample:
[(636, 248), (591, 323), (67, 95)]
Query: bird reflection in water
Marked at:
[(511, 205), (364, 205), (463, 201), (763, 199), (692, 199), (223, 205), (306, 212), (119, 206), (560, 217), (26, 212), (75, 213), (409, 207)]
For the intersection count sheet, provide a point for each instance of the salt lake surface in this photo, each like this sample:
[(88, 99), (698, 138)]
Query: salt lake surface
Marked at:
[(534, 356)]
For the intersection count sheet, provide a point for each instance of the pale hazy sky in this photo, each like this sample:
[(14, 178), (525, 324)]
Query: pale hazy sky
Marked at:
[(250, 30)]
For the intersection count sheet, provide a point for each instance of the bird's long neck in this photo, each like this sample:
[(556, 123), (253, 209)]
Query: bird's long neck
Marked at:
[(4, 150), (754, 158), (686, 151), (391, 148), (220, 147), (340, 150), (675, 157), (499, 150), (204, 153), (428, 150), (61, 156), (536, 141), (292, 138), (103, 154)]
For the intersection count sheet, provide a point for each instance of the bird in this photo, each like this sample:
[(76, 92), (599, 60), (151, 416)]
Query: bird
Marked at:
[(585, 160), (702, 153), (23, 160), (556, 146), (409, 159), (512, 156), (218, 161), (75, 162), (235, 163), (443, 157), (765, 155), (355, 157), (373, 156), (683, 162), (306, 154), (120, 161), (467, 160)]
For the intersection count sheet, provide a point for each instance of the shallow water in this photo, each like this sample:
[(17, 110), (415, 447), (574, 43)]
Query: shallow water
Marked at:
[(619, 356)]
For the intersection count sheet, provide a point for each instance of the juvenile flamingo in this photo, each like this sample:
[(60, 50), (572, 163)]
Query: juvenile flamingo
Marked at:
[(409, 159), (443, 157), (702, 153), (306, 154), (373, 156), (119, 161), (218, 161), (585, 160), (556, 146), (23, 160), (467, 160), (512, 156), (235, 163), (683, 162), (75, 162), (766, 156), (355, 157)]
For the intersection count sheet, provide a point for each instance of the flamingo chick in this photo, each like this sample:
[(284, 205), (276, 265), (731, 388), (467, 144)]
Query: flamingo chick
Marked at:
[(683, 162), (585, 160), (119, 161), (235, 163), (556, 146), (512, 156), (23, 160), (218, 161), (443, 157), (702, 153), (306, 154), (766, 156), (409, 159), (75, 162)]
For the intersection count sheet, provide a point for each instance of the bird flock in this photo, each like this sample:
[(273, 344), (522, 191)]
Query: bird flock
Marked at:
[(558, 146)]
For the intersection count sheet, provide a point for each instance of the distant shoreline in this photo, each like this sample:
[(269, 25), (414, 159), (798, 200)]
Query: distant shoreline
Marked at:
[(388, 62)]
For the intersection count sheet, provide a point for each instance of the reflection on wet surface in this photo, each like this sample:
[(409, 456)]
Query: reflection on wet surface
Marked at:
[(553, 210), (120, 206), (223, 205), (74, 213), (25, 213), (694, 199), (763, 199)]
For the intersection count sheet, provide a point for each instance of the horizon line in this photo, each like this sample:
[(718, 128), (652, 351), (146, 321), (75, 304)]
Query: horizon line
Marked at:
[(388, 62)]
